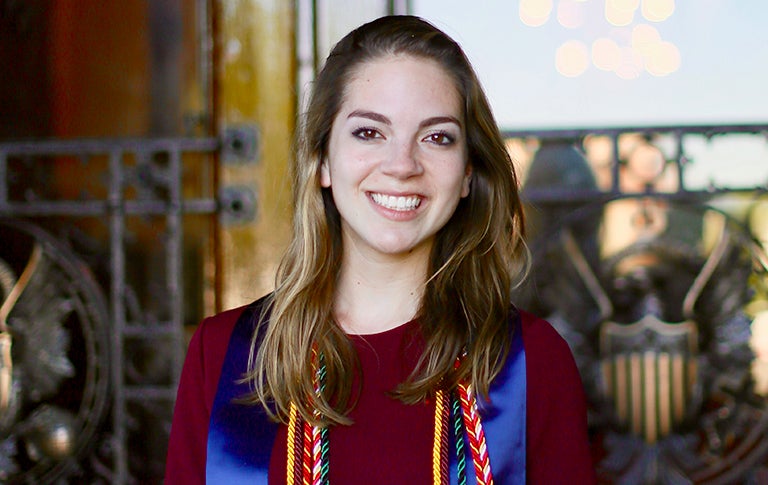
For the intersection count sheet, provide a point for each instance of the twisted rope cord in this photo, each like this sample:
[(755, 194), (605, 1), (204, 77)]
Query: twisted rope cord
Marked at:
[(324, 477), (291, 464), (445, 416), (317, 463), (319, 435), (298, 446), (476, 435), (439, 398), (324, 444), (440, 440), (458, 434), (313, 469), (306, 475), (312, 447)]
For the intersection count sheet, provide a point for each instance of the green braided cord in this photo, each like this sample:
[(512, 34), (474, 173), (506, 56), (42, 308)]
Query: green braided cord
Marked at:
[(458, 431), (324, 468), (324, 442)]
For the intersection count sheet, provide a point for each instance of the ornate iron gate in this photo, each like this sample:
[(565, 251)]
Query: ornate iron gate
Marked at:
[(86, 415)]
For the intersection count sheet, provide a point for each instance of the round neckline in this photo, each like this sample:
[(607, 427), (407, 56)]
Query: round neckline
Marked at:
[(384, 333)]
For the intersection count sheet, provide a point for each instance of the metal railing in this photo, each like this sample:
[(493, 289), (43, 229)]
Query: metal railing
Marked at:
[(679, 158)]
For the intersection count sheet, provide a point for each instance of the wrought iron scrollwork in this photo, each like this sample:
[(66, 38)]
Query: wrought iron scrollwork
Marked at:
[(54, 397)]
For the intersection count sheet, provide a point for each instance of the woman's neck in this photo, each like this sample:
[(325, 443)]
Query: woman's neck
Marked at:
[(375, 295)]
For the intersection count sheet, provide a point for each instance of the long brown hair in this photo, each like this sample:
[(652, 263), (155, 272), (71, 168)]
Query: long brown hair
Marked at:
[(475, 259)]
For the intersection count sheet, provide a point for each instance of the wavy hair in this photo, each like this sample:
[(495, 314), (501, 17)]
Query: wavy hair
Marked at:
[(475, 260)]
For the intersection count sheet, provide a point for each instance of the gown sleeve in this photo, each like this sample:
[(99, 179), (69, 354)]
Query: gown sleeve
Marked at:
[(558, 449), (185, 461)]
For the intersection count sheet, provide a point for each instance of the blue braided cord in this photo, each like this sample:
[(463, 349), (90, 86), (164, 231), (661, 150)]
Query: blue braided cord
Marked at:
[(324, 467), (458, 431), (324, 442)]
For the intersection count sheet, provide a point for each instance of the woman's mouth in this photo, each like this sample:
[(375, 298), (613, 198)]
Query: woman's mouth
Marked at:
[(396, 203)]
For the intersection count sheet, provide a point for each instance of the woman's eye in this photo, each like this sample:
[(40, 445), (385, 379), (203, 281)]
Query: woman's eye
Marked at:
[(440, 138), (366, 133)]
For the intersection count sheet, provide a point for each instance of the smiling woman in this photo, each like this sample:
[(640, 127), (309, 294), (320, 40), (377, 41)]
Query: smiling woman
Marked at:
[(397, 168), (389, 351)]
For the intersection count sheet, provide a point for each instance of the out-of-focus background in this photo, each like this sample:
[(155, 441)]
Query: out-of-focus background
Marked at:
[(143, 186)]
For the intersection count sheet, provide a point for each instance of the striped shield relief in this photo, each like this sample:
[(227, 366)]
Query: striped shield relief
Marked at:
[(650, 373)]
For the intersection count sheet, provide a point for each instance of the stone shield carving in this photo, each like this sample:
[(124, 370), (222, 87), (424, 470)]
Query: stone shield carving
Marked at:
[(661, 334), (650, 373)]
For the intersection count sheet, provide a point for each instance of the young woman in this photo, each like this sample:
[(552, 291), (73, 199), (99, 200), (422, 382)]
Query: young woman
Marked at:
[(389, 351)]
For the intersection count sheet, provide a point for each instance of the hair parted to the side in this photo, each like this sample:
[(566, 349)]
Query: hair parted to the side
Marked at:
[(475, 260)]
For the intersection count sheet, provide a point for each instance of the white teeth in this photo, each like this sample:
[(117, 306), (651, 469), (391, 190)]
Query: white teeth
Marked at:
[(396, 203)]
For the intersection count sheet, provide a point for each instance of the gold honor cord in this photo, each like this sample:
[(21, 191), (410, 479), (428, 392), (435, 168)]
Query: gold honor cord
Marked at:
[(6, 340)]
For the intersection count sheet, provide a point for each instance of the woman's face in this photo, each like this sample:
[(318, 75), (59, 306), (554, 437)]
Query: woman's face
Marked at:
[(397, 159)]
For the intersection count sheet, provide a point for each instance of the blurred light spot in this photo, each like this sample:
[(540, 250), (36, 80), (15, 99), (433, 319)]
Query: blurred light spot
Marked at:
[(605, 54), (535, 13), (657, 10), (599, 149), (630, 64), (599, 153), (626, 5), (663, 59), (645, 38), (572, 58), (619, 12), (646, 162), (232, 50), (570, 14)]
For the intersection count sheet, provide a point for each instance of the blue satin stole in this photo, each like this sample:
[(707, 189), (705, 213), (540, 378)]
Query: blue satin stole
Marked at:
[(241, 437)]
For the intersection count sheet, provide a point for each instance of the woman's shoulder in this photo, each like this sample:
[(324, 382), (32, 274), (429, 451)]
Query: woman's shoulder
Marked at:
[(220, 325), (216, 329), (210, 342), (537, 330), (556, 409), (212, 336), (546, 350)]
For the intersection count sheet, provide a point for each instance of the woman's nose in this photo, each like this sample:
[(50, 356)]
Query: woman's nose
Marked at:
[(402, 161)]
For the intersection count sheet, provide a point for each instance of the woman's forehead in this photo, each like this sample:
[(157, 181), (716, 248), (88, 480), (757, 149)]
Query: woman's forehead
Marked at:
[(402, 80)]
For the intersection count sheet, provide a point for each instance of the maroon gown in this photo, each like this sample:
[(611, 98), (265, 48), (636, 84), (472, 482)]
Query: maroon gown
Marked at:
[(557, 447)]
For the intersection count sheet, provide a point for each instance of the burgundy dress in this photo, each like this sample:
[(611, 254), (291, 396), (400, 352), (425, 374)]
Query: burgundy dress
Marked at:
[(391, 442)]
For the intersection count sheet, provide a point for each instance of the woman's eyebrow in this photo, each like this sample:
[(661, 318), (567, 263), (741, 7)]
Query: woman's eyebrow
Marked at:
[(438, 120), (374, 116), (371, 115)]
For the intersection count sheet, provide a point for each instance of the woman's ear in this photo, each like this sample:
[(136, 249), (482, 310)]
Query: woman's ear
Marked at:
[(325, 174), (466, 181)]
